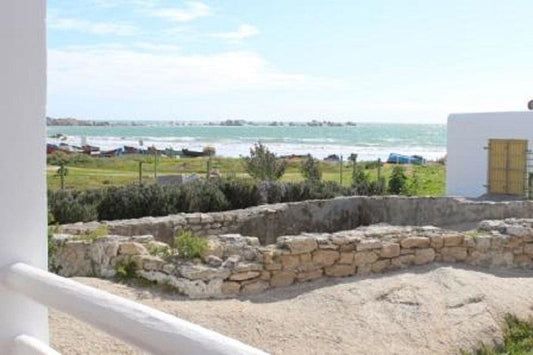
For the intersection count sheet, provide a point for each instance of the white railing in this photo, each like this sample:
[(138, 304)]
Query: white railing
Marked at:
[(144, 327)]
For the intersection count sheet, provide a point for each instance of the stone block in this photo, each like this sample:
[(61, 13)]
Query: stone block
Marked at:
[(390, 250), (241, 276), (298, 244), (289, 261), (381, 265), (282, 278), (309, 275), (346, 258), (132, 248), (325, 257), (402, 261), (340, 270), (230, 287), (365, 257), (452, 240), (528, 249), (436, 241), (450, 254), (255, 287), (424, 256), (202, 272), (369, 244), (415, 242)]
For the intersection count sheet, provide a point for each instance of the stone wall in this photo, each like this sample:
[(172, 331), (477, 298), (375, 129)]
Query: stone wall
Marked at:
[(267, 222), (234, 264)]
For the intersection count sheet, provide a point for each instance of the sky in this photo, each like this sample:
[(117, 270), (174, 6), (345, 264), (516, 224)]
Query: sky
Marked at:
[(288, 60)]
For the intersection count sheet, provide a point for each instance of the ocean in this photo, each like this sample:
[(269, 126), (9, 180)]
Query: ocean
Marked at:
[(369, 141)]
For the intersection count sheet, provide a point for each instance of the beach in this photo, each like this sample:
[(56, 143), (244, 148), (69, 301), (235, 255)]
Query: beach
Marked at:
[(369, 141)]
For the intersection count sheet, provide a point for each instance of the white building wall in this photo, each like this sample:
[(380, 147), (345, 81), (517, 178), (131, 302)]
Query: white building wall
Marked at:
[(22, 157), (468, 135)]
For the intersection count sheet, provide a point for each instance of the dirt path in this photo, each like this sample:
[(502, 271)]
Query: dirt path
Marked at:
[(428, 310)]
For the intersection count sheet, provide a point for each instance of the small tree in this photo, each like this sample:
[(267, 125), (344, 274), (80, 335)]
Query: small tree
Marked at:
[(397, 181), (310, 169), (262, 164)]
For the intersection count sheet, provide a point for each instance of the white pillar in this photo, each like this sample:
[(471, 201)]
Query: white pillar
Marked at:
[(22, 158)]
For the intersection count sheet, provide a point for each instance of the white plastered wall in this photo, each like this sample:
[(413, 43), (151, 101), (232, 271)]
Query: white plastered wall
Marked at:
[(468, 135), (22, 157)]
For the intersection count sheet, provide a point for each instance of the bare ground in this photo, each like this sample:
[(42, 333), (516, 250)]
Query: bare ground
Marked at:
[(436, 309)]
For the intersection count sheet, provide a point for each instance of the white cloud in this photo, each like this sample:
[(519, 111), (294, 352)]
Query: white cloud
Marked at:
[(244, 31), (128, 75), (98, 28), (157, 47), (190, 11)]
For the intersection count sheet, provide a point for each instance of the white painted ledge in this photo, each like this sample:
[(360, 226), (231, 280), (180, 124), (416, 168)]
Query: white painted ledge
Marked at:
[(27, 345), (144, 327)]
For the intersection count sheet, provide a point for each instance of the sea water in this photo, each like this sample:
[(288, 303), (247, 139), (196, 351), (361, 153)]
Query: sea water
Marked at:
[(369, 141)]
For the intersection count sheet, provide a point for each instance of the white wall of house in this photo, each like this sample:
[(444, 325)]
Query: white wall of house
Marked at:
[(22, 157), (468, 135)]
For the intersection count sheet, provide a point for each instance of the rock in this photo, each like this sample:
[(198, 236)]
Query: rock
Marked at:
[(213, 261), (309, 275), (528, 249), (214, 247), (415, 242), (402, 261), (325, 257), (151, 263), (436, 241), (339, 270), (424, 256), (518, 231), (490, 225), (231, 262), (132, 248), (390, 250), (369, 244), (240, 276), (364, 270), (365, 257), (346, 258), (201, 272), (482, 243), (255, 287), (380, 265), (298, 244), (169, 268), (289, 261), (242, 267), (143, 238), (282, 278), (452, 240), (230, 287), (453, 253)]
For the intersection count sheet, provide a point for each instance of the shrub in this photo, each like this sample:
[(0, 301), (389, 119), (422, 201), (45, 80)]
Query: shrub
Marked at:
[(189, 246), (126, 269), (135, 201), (310, 169), (263, 165), (91, 235), (397, 180), (69, 206), (240, 193), (204, 196)]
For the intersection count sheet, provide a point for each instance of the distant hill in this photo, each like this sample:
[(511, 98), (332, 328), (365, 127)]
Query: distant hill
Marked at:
[(69, 121)]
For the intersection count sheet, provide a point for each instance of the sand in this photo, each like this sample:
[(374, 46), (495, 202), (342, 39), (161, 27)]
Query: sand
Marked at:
[(437, 309)]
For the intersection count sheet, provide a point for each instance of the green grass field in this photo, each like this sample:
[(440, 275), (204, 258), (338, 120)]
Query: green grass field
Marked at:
[(86, 172)]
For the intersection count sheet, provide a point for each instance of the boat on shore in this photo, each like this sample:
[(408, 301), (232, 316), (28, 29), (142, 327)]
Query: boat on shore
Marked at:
[(395, 158)]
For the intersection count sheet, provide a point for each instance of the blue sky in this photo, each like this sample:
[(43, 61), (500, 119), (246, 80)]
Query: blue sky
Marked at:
[(366, 61)]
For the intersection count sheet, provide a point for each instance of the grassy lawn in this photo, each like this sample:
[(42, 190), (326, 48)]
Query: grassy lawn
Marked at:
[(87, 172)]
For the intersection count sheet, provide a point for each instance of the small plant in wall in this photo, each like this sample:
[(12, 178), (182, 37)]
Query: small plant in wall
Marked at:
[(189, 246), (126, 269)]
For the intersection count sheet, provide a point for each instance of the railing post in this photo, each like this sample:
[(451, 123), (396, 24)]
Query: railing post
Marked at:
[(22, 148)]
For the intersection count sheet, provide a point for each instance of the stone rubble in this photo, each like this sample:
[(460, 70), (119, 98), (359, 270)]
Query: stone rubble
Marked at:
[(235, 264)]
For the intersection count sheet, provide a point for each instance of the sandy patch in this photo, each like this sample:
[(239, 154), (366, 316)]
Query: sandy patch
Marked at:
[(436, 309)]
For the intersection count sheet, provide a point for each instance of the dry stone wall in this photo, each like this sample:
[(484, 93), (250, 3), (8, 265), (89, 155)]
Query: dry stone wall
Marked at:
[(234, 264), (268, 222)]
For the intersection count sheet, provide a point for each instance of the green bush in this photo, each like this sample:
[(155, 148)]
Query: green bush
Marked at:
[(204, 196), (263, 165), (126, 269), (398, 181), (310, 169), (69, 206), (240, 193), (189, 246)]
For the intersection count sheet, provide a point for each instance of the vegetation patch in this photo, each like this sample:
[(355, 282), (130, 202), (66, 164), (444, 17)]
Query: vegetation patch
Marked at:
[(126, 269), (190, 246), (518, 339)]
